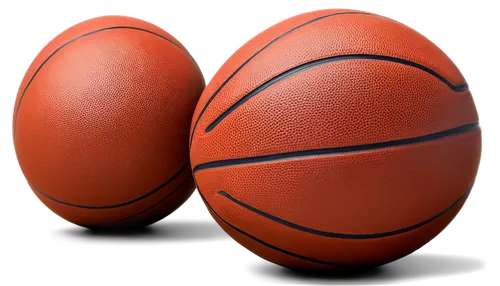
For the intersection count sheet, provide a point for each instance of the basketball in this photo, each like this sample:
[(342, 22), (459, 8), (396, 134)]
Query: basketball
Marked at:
[(101, 123), (335, 139)]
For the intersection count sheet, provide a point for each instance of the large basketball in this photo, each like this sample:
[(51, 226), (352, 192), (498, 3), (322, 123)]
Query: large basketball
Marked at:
[(335, 139), (101, 123)]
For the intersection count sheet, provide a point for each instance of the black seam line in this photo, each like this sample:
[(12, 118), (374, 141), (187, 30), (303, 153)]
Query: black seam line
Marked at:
[(258, 52), (277, 248), (82, 36), (337, 150), (121, 204), (158, 202), (345, 235), (323, 61)]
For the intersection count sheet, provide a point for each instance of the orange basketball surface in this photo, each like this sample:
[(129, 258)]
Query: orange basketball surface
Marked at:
[(101, 123), (335, 139)]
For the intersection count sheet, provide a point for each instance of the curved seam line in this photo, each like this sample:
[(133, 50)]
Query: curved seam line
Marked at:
[(277, 248), (158, 202), (345, 235), (82, 36), (121, 204), (336, 150), (323, 61), (258, 52)]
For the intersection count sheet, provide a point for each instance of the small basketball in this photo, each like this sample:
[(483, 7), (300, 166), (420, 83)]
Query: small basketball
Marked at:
[(101, 123), (336, 139)]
